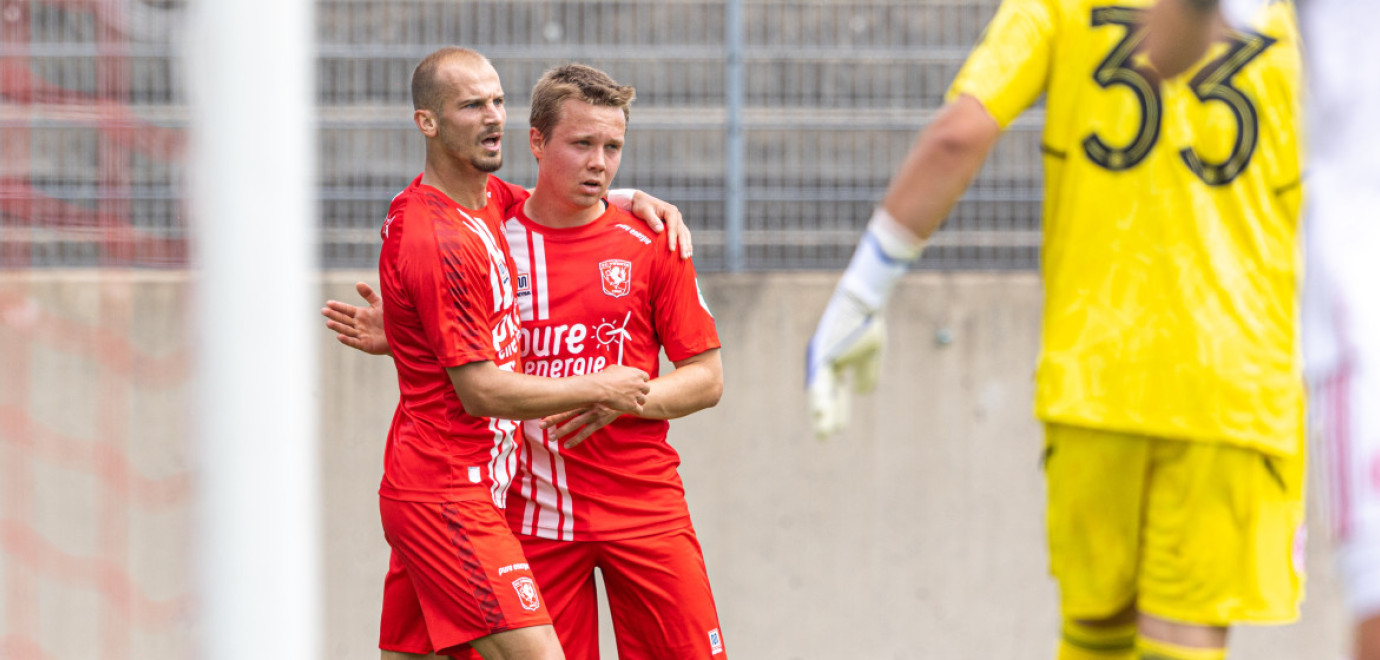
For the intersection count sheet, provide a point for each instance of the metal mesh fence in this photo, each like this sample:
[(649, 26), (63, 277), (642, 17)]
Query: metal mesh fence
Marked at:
[(774, 125), (91, 138)]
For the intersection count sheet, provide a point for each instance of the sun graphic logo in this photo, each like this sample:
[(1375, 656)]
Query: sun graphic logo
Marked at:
[(607, 333), (616, 277)]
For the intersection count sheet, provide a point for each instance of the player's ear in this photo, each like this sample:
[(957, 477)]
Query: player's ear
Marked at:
[(425, 121), (537, 142)]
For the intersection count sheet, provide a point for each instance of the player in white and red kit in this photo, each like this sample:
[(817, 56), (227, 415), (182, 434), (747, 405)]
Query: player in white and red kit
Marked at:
[(458, 582), (604, 293), (595, 290)]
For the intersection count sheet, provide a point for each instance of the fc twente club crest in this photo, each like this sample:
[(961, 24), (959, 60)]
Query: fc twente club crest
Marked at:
[(527, 593), (616, 277)]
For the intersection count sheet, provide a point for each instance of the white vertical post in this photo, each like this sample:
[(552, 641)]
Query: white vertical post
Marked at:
[(252, 169)]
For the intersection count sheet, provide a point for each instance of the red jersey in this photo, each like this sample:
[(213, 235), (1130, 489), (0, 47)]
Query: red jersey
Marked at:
[(447, 276), (604, 293)]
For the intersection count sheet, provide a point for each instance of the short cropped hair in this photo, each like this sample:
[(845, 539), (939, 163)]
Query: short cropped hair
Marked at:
[(580, 82), (427, 91)]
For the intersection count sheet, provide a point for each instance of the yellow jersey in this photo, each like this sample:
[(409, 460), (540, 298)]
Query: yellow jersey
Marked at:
[(1171, 253)]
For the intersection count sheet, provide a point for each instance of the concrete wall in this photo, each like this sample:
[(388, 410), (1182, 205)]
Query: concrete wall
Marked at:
[(919, 533), (916, 534)]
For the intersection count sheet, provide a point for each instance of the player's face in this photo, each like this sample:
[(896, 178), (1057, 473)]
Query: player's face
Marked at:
[(469, 124), (580, 157)]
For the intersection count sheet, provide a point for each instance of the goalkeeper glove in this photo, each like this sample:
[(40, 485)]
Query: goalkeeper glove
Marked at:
[(851, 332)]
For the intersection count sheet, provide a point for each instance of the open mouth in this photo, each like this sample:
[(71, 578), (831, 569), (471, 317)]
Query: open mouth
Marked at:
[(592, 186), (492, 142)]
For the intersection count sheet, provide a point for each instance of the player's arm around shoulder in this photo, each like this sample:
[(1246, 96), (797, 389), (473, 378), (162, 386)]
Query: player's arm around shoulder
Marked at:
[(663, 218)]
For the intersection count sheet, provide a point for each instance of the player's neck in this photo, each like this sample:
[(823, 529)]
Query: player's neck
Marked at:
[(460, 182), (556, 211)]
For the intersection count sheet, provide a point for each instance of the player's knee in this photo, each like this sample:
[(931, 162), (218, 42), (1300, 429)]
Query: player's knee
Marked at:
[(1202, 640), (530, 643), (1110, 638)]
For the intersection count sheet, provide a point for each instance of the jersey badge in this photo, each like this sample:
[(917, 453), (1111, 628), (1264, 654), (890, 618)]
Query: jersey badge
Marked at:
[(716, 643), (524, 286), (616, 277), (527, 593)]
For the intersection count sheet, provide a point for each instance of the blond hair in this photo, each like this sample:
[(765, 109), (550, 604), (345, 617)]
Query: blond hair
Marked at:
[(575, 81)]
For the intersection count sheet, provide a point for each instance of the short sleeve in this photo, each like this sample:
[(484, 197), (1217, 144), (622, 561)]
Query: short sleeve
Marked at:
[(449, 293), (683, 320), (1009, 67), (506, 195)]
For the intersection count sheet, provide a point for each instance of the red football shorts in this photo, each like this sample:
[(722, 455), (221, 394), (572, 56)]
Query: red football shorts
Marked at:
[(657, 588), (456, 574)]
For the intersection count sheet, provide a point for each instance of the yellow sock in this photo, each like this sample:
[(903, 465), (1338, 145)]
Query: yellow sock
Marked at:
[(1150, 649), (1083, 642)]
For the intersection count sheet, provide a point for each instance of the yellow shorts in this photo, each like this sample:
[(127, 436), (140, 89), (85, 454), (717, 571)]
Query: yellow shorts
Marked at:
[(1194, 532)]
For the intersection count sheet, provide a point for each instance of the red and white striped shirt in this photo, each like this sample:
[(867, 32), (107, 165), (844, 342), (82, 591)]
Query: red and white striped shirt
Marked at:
[(607, 292)]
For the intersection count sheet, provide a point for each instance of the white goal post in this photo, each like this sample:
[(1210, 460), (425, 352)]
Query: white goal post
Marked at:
[(256, 292)]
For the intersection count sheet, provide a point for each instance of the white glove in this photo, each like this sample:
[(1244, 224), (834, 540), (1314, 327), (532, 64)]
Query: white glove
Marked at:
[(851, 333), (849, 338)]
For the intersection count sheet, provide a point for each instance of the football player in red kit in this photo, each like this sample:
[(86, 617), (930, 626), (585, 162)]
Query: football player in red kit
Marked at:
[(595, 290), (458, 582), (595, 488)]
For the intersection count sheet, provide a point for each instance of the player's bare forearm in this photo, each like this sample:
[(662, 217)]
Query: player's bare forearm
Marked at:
[(945, 158), (1179, 33), (697, 383), (487, 391)]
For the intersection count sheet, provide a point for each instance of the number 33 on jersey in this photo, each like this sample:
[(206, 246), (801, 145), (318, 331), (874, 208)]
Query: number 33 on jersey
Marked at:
[(1170, 218)]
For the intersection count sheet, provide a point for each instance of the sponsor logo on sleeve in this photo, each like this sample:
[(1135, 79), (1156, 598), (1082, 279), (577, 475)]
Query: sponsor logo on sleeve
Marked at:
[(716, 643), (616, 277)]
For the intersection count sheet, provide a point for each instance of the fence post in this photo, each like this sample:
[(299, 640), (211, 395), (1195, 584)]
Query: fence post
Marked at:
[(735, 203)]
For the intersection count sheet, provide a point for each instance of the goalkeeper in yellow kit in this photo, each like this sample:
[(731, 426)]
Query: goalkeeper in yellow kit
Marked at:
[(1169, 377)]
